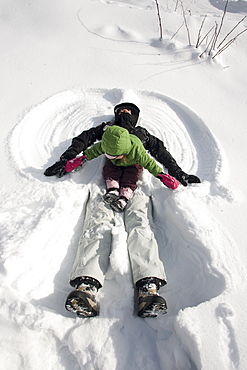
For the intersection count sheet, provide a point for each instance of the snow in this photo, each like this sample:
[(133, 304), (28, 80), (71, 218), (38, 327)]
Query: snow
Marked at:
[(64, 66)]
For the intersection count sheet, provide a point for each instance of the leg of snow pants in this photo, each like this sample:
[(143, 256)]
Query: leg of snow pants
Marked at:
[(94, 247), (142, 244)]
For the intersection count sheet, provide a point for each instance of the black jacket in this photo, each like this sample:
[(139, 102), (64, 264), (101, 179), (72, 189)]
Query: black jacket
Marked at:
[(151, 143)]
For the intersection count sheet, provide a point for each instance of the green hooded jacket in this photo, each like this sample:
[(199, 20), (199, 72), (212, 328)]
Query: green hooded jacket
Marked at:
[(117, 141)]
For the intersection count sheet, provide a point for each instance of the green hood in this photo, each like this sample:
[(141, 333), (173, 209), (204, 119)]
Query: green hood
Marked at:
[(116, 141)]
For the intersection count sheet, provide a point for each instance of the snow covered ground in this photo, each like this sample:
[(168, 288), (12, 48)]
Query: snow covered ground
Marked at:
[(64, 65)]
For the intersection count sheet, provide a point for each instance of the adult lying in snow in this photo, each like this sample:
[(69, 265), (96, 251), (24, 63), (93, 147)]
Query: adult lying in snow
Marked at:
[(125, 147), (126, 116), (126, 157)]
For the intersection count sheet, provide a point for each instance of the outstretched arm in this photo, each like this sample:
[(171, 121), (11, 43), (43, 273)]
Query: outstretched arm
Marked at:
[(157, 149), (83, 141), (78, 145)]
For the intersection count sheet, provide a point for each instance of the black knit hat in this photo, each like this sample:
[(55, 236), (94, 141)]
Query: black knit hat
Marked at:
[(134, 109)]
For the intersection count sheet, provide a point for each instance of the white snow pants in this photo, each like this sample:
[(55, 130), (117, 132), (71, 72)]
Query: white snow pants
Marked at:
[(94, 247)]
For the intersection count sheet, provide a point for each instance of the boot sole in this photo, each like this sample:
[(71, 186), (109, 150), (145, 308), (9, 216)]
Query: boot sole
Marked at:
[(152, 306), (82, 304), (111, 199)]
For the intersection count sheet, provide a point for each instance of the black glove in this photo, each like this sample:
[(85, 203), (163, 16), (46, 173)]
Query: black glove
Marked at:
[(186, 179), (57, 169)]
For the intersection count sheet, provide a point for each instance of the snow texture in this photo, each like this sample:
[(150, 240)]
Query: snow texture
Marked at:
[(90, 56)]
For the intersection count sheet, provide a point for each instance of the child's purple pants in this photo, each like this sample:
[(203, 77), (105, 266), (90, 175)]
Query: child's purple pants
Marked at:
[(127, 177)]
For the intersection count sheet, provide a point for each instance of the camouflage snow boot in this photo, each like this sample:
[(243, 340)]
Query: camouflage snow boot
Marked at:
[(150, 303), (83, 301)]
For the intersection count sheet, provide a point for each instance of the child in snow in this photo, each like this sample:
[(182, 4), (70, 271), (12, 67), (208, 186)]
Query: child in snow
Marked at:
[(126, 158)]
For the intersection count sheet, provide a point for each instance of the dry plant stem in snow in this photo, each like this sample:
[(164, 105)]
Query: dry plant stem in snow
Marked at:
[(199, 32), (232, 31), (229, 43), (177, 31), (200, 42), (186, 24), (159, 18), (208, 46), (176, 6), (221, 23), (212, 43), (214, 39)]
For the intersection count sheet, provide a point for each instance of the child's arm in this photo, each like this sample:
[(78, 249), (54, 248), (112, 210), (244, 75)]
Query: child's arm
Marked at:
[(94, 152)]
